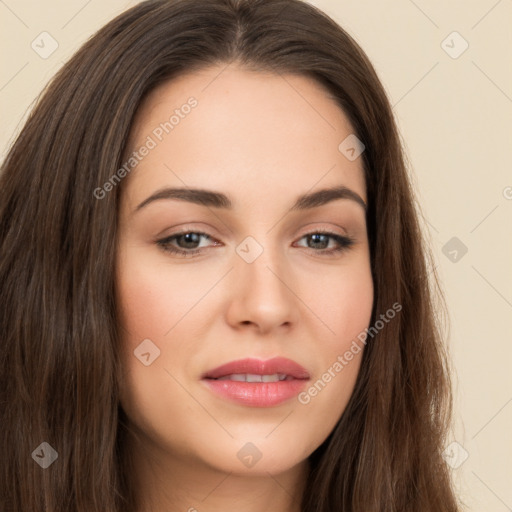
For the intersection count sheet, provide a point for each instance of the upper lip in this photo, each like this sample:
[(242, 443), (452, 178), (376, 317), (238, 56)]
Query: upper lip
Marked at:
[(259, 367)]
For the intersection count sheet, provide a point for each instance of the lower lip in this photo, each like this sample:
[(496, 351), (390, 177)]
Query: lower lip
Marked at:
[(257, 394)]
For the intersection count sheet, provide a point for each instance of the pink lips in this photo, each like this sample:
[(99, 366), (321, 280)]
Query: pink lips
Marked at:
[(292, 378)]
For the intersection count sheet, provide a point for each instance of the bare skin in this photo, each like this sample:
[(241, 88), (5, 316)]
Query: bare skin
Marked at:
[(263, 143)]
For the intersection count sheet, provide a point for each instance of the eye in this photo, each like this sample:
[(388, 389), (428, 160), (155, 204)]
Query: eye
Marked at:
[(188, 240), (187, 243), (321, 239)]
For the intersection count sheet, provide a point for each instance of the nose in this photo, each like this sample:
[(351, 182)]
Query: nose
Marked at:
[(263, 294)]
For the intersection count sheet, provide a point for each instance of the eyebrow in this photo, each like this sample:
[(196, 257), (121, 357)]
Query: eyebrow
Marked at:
[(219, 200)]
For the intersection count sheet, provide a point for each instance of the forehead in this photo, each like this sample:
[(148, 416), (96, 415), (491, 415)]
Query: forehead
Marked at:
[(256, 131)]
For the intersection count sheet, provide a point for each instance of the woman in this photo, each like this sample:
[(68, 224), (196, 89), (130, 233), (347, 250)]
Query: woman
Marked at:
[(214, 284)]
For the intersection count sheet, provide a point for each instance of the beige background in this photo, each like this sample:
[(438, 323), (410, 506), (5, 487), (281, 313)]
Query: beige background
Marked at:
[(455, 117)]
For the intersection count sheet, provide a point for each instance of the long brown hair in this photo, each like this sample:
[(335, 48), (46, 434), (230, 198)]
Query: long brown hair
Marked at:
[(59, 339)]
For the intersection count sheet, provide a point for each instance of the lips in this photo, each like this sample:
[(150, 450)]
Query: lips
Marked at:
[(283, 368), (257, 383)]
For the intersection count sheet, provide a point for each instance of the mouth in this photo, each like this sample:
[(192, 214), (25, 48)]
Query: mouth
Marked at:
[(254, 377), (256, 370), (257, 383)]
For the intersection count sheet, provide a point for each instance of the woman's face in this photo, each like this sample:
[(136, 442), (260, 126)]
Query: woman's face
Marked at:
[(266, 283)]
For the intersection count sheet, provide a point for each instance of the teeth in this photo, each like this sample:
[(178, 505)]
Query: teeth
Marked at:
[(251, 377), (236, 376)]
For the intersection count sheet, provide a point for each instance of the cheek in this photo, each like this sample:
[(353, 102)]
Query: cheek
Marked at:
[(152, 300), (344, 307), (150, 308), (343, 304)]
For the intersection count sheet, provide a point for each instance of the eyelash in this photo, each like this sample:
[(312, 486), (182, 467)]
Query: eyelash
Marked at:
[(344, 242)]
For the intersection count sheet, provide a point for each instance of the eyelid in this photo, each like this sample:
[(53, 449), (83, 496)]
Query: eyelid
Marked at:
[(344, 242), (320, 227), (326, 229)]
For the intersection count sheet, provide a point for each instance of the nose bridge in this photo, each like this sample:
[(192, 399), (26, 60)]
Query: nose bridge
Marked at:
[(260, 262), (261, 292)]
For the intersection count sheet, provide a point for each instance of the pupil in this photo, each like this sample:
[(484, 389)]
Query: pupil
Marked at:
[(190, 238), (315, 238)]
